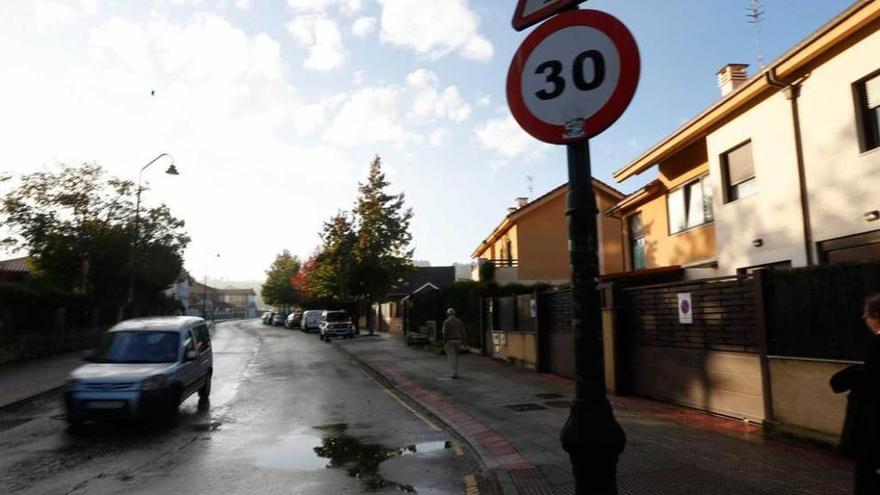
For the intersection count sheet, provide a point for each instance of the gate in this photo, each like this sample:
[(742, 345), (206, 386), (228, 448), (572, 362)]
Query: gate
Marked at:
[(711, 364)]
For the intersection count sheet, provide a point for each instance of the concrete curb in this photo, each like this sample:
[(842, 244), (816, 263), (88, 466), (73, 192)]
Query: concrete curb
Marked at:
[(35, 396), (500, 481)]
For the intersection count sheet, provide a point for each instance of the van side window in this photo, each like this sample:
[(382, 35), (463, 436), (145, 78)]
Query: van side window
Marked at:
[(203, 337), (188, 343)]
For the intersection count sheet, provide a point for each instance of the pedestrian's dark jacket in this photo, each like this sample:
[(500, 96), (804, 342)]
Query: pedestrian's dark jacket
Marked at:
[(453, 329), (860, 438)]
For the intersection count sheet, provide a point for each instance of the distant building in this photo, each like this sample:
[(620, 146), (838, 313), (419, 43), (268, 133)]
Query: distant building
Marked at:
[(530, 244), (389, 315), (239, 300), (13, 271)]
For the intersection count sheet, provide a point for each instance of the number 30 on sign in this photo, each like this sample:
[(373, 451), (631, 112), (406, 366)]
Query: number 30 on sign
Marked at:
[(573, 76)]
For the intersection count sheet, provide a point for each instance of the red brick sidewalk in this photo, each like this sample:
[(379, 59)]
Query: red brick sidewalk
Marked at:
[(511, 417)]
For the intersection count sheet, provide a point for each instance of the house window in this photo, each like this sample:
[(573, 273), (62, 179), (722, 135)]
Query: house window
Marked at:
[(690, 206), (738, 169), (637, 242), (867, 95)]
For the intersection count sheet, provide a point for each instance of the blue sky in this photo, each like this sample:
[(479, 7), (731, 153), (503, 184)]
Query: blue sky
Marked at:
[(274, 109)]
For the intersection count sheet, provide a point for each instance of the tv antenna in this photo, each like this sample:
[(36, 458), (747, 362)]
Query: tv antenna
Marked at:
[(530, 187), (754, 16)]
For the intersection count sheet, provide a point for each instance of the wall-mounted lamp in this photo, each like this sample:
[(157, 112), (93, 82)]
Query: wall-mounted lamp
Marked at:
[(871, 216), (758, 242)]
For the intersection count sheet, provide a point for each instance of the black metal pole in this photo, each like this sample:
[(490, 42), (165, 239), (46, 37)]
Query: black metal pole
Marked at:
[(134, 248), (591, 435)]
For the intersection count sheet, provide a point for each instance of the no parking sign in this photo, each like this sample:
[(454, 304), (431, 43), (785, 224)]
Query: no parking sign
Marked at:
[(573, 76)]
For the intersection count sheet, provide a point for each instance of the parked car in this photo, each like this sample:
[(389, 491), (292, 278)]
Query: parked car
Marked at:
[(336, 324), (279, 319), (294, 320), (141, 367), (267, 317), (311, 320)]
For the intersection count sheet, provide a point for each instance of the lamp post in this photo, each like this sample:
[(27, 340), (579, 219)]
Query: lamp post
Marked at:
[(205, 295), (172, 170)]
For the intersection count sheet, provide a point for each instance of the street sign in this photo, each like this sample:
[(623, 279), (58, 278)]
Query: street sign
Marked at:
[(529, 12), (685, 308), (573, 76)]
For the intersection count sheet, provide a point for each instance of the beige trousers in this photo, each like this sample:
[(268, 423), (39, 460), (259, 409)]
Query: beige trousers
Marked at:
[(451, 348)]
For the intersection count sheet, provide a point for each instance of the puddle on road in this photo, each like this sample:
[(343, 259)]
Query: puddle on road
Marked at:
[(333, 448)]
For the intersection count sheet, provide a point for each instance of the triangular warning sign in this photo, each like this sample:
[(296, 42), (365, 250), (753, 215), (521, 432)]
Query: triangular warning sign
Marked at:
[(530, 12)]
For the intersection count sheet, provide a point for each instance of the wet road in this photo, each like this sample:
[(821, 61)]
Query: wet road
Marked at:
[(288, 414)]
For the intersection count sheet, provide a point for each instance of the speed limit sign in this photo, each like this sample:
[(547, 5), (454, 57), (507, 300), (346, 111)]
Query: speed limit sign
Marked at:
[(573, 76)]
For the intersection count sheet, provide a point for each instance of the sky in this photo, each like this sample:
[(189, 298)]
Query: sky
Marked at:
[(273, 109)]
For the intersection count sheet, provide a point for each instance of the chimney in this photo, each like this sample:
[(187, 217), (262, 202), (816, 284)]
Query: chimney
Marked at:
[(521, 201), (511, 209), (731, 77)]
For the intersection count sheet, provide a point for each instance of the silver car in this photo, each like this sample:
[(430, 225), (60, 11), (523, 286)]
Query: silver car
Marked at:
[(142, 367)]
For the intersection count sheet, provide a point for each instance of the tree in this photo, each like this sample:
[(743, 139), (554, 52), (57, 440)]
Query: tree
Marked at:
[(278, 289), (382, 248), (334, 278), (77, 225)]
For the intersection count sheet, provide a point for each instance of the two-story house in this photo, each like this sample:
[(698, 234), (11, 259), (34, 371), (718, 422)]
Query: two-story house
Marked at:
[(530, 244), (782, 171)]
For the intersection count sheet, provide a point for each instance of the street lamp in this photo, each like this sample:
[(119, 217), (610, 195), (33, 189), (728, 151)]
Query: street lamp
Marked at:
[(172, 170), (205, 296)]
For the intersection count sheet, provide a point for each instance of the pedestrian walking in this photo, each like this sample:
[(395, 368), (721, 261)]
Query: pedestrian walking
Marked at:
[(860, 439), (453, 337)]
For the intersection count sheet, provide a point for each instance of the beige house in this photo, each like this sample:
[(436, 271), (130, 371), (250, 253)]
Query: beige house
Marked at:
[(793, 152)]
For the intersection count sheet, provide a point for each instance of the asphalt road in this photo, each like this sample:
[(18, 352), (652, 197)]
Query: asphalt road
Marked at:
[(288, 414)]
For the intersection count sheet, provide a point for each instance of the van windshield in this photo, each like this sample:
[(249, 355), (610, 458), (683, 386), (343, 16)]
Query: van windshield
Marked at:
[(337, 316), (138, 347)]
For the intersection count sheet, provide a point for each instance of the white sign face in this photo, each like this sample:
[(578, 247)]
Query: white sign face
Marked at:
[(685, 308), (573, 76), (570, 75)]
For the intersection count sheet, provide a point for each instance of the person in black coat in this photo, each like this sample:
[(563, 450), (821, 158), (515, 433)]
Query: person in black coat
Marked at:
[(860, 439)]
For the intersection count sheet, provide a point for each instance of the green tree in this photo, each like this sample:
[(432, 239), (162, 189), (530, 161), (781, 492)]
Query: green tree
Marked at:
[(382, 248), (334, 276), (77, 225), (278, 288)]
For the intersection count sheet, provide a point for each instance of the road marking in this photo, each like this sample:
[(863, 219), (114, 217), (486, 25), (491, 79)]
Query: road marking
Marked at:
[(404, 404), (456, 448), (470, 485)]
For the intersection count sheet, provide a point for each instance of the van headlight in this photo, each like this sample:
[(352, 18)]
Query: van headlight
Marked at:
[(154, 382)]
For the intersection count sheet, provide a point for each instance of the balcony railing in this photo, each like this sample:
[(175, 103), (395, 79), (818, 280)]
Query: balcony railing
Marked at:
[(506, 262)]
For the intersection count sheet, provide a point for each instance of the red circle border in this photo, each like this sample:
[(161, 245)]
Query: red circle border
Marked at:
[(630, 66)]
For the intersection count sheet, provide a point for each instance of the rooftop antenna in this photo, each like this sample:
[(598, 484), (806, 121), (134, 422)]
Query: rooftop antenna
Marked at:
[(531, 184), (754, 16)]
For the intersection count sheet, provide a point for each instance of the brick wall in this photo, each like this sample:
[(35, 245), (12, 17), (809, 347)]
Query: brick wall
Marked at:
[(724, 316)]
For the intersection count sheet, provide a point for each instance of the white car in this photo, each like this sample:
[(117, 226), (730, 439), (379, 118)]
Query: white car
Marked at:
[(141, 367), (311, 320), (336, 324)]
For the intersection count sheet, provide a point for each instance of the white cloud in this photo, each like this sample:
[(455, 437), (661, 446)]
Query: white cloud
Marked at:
[(435, 28), (438, 136), (359, 77), (484, 100), (369, 115), (504, 137), (321, 37), (430, 102), (321, 6), (243, 4), (363, 26), (63, 13)]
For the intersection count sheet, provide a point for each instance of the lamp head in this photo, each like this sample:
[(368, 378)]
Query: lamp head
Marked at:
[(172, 170)]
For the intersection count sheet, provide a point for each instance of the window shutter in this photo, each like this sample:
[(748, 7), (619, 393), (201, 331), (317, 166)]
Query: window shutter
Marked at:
[(872, 92), (740, 167)]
